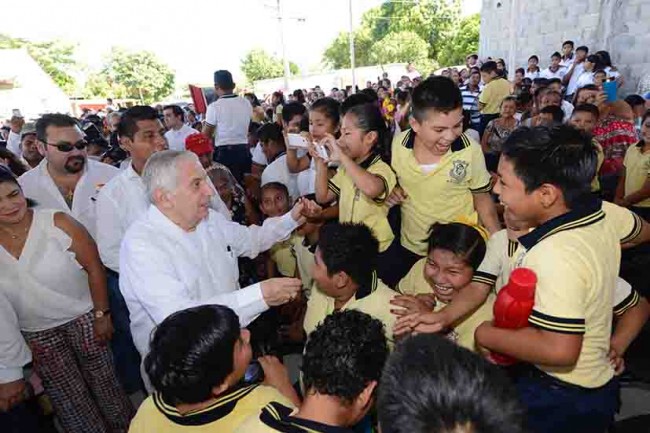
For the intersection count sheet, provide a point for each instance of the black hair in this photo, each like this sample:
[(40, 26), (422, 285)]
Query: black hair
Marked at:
[(554, 80), (605, 58), (553, 92), (253, 127), (596, 60), (55, 119), (370, 93), (555, 111), (128, 125), (556, 54), (369, 118), (489, 67), (437, 93), (278, 186), (587, 108), (349, 248), (540, 82), (356, 99), (191, 352), (559, 155), (474, 56), (583, 48), (15, 164), (599, 71), (300, 96), (292, 109), (645, 116), (522, 71), (402, 96), (255, 102), (278, 94), (534, 56), (178, 111), (430, 385), (344, 354), (568, 43), (329, 107), (272, 132), (634, 100), (464, 241)]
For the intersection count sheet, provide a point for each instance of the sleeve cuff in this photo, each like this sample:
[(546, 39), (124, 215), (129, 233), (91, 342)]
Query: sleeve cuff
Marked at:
[(485, 188), (335, 189), (251, 304), (631, 301), (636, 229), (382, 197), (11, 374), (561, 325), (484, 278)]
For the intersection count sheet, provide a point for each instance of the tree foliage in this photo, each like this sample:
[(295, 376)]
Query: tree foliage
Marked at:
[(55, 57), (257, 64), (404, 46), (138, 75), (463, 42), (337, 55)]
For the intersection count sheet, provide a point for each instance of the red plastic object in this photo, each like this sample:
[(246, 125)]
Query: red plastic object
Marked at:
[(513, 305)]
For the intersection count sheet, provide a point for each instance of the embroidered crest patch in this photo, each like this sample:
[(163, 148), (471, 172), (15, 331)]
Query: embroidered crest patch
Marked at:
[(458, 170)]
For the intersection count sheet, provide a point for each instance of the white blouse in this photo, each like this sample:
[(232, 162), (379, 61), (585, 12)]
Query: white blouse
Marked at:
[(46, 286)]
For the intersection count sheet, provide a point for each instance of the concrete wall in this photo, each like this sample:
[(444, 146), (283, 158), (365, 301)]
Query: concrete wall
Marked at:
[(516, 29)]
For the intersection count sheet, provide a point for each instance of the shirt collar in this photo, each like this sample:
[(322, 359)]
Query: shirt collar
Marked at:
[(159, 218), (366, 290), (279, 418), (221, 408), (372, 159), (582, 216), (228, 96), (459, 144), (279, 155)]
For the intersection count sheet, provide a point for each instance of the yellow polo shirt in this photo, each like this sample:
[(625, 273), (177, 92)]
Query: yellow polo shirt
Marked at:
[(226, 414), (356, 207), (276, 417), (576, 258), (637, 171), (375, 301), (304, 255), (415, 283), (492, 95), (283, 257), (442, 195), (595, 184)]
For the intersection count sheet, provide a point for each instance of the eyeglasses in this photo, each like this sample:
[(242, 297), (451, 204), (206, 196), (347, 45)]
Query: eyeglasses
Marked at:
[(67, 147)]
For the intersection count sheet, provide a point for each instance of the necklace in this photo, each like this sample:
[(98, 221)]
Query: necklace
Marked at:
[(13, 234)]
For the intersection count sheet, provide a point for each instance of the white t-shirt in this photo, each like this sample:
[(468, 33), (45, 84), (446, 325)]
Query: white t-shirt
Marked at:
[(585, 79), (567, 108), (277, 171), (258, 155), (230, 115), (176, 139), (578, 70), (548, 74)]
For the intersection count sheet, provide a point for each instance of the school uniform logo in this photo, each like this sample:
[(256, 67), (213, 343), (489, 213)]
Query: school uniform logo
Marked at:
[(458, 171)]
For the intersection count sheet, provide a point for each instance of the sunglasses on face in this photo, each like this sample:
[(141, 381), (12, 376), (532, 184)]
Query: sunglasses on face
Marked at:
[(67, 147)]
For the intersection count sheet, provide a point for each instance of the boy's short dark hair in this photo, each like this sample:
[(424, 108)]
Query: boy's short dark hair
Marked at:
[(540, 82), (534, 56), (349, 248), (344, 354), (128, 125), (554, 80), (55, 119), (192, 352), (559, 155), (521, 71), (223, 79), (555, 111), (430, 385), (435, 93), (272, 132), (583, 48), (634, 100), (568, 43), (178, 111), (489, 67), (292, 109), (586, 108), (278, 186), (556, 54)]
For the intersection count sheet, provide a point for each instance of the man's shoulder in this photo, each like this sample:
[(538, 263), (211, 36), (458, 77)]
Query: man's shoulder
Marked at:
[(101, 170)]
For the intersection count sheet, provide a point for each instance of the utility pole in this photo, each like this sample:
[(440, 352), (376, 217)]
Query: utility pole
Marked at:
[(285, 60), (352, 58)]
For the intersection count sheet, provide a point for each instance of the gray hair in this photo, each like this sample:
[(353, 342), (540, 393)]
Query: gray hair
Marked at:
[(112, 114), (161, 170)]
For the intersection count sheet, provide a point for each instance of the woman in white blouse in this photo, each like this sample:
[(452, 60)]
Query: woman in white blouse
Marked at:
[(55, 285)]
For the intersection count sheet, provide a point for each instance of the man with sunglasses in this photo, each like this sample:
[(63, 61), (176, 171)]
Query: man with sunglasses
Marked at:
[(66, 179)]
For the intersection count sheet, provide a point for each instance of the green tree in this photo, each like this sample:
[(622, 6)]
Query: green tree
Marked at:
[(463, 42), (397, 47), (337, 55), (55, 57), (257, 64), (138, 75)]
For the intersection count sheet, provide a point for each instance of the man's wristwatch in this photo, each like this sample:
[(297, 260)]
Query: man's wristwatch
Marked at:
[(98, 314)]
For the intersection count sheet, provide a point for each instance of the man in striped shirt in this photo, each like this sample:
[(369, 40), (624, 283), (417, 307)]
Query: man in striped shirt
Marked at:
[(470, 93)]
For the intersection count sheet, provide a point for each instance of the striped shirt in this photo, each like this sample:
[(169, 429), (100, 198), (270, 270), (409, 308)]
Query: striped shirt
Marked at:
[(470, 103)]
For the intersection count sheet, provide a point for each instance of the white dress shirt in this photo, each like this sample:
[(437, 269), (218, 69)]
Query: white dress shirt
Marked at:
[(164, 269), (38, 185), (230, 115), (277, 171), (122, 201), (176, 139), (14, 144), (14, 352), (572, 85), (548, 74)]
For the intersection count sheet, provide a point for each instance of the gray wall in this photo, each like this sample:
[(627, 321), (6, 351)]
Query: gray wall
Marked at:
[(519, 28)]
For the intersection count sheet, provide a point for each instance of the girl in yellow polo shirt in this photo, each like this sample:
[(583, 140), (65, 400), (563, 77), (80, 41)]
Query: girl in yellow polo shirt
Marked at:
[(363, 180), (455, 252), (634, 184)]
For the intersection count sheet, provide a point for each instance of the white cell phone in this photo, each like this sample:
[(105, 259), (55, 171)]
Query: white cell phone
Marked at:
[(297, 140), (322, 152)]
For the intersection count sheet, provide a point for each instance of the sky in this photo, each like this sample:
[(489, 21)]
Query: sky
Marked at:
[(194, 37)]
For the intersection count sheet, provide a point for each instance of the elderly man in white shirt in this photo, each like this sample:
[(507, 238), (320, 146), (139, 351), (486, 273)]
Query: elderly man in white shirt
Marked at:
[(177, 130), (182, 254), (66, 179)]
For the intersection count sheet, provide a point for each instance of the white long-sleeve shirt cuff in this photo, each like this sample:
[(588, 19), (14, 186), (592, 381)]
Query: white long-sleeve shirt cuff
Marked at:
[(13, 144), (8, 375)]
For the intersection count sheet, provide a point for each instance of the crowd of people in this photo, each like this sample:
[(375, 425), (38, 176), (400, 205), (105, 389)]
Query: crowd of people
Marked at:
[(183, 255)]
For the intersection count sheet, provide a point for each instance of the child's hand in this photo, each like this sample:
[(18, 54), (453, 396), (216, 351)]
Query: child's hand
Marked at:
[(312, 209), (313, 152), (297, 212), (617, 361), (396, 196), (421, 323), (409, 305), (333, 148)]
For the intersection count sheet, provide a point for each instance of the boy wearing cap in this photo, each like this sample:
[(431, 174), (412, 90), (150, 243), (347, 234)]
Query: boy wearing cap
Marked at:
[(229, 117)]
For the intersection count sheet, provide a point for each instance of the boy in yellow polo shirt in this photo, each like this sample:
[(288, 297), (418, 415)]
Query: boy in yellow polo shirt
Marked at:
[(584, 118), (440, 171), (341, 368), (634, 184), (544, 179), (496, 88), (345, 277), (196, 364)]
